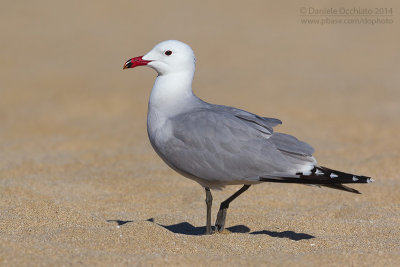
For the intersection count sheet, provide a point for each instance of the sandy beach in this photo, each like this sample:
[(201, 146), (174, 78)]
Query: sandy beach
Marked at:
[(81, 185)]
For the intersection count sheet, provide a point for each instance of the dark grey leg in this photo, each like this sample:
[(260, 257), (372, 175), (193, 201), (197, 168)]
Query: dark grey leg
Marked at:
[(209, 199), (220, 222)]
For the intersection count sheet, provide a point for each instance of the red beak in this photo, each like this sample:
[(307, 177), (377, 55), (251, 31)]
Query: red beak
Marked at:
[(134, 62)]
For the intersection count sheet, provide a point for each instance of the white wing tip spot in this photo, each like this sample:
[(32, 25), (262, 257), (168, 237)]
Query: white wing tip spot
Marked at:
[(370, 180)]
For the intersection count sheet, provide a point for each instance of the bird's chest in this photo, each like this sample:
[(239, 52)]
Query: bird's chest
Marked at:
[(159, 129)]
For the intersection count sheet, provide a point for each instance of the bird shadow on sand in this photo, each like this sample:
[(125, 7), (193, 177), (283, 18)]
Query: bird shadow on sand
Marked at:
[(119, 222), (285, 234), (186, 228)]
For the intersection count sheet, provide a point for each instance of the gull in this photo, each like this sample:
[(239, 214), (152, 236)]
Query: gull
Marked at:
[(218, 145)]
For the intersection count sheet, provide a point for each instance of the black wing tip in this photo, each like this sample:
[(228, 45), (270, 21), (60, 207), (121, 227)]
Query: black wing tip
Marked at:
[(343, 188), (352, 190), (342, 177), (292, 180), (324, 177)]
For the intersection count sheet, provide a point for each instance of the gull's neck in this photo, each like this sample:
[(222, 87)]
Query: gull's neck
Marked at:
[(172, 93)]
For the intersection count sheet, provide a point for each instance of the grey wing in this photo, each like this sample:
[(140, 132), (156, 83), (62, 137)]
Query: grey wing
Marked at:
[(220, 148), (291, 144), (263, 124), (283, 142)]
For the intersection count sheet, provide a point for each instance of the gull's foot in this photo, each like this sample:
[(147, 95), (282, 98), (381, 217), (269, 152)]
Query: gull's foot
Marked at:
[(220, 222), (209, 231)]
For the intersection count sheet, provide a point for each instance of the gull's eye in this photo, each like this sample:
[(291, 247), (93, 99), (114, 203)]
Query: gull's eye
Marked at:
[(168, 52)]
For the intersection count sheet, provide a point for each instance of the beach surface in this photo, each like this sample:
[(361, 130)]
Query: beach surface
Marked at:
[(81, 185)]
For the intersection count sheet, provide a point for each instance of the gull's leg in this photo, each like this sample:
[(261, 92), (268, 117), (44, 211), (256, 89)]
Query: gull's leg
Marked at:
[(209, 204), (220, 222)]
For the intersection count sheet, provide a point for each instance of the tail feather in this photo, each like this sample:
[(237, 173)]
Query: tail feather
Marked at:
[(323, 176)]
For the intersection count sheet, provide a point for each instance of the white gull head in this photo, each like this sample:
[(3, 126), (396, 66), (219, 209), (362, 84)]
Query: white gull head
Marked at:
[(175, 64), (167, 57), (170, 57)]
